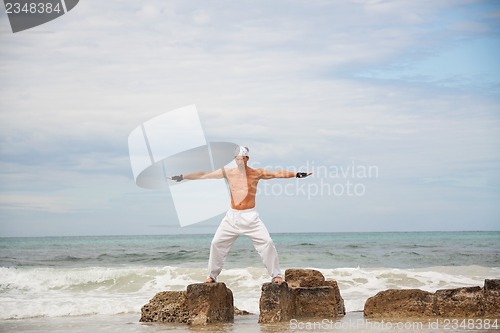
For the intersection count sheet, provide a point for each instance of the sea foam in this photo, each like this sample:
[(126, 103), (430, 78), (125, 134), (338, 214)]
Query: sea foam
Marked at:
[(56, 292)]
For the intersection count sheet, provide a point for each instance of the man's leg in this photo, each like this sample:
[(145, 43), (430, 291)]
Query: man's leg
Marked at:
[(221, 243), (265, 247)]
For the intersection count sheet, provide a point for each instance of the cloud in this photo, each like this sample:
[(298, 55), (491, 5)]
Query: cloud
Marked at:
[(316, 80), (149, 12), (36, 203)]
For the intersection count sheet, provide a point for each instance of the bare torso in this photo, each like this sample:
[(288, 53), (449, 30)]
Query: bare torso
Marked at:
[(243, 186)]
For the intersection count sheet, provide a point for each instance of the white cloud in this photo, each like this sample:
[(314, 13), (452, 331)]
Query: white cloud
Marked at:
[(149, 12), (283, 79), (37, 203)]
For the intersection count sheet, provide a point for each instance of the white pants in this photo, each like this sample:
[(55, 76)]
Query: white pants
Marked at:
[(242, 222)]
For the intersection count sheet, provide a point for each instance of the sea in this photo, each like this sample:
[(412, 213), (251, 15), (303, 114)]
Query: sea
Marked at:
[(61, 284)]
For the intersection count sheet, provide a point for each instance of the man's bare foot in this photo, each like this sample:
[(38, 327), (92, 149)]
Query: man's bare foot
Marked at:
[(209, 280), (278, 280)]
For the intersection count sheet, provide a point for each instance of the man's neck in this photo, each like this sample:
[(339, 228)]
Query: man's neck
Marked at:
[(243, 169)]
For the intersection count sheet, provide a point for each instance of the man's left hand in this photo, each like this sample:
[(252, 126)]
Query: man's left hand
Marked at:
[(303, 174)]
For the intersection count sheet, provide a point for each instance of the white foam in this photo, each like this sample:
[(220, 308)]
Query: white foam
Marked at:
[(356, 284), (54, 292)]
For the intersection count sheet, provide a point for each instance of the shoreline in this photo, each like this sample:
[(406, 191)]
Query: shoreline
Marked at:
[(353, 321)]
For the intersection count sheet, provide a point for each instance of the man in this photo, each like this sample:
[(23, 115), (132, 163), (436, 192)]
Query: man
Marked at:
[(242, 218)]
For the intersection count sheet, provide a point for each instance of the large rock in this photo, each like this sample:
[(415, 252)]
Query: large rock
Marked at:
[(200, 304), (400, 303), (209, 303), (304, 294), (316, 302), (470, 302)]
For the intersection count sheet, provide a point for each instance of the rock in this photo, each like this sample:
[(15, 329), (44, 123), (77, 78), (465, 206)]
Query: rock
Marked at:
[(492, 298), (209, 303), (238, 312), (469, 302), (200, 304), (304, 278), (394, 303), (339, 301), (315, 302), (166, 307), (460, 302), (275, 303), (304, 294)]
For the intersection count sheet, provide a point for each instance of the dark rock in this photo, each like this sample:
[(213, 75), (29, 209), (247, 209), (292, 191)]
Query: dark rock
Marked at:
[(275, 303), (492, 298), (492, 285)]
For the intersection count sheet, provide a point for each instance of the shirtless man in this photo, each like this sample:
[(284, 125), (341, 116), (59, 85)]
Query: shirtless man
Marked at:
[(242, 218)]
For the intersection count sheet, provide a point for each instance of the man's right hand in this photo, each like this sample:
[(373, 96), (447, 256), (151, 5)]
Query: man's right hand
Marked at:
[(177, 178)]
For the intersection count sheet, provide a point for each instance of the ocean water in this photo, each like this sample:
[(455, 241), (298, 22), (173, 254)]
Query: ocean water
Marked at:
[(65, 277)]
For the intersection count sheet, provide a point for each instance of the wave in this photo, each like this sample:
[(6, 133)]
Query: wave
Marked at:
[(54, 292)]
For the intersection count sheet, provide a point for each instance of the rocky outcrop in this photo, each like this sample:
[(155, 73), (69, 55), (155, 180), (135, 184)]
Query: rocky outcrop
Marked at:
[(305, 293), (469, 302), (200, 304)]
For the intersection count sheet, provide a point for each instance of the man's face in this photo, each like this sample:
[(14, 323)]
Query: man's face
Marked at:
[(241, 161)]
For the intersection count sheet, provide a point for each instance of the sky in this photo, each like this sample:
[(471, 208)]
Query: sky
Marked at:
[(393, 105)]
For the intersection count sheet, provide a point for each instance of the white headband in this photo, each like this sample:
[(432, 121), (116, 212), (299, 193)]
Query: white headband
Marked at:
[(241, 151)]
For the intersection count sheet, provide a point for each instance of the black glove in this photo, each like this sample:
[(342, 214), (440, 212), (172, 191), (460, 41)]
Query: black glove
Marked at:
[(177, 178), (301, 174)]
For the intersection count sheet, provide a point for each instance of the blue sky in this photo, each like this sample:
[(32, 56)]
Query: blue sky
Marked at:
[(409, 87)]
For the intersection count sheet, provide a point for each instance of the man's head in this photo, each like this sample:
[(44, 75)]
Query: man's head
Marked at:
[(241, 155)]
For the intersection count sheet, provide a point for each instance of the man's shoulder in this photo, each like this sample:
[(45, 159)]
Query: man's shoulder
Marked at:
[(250, 170)]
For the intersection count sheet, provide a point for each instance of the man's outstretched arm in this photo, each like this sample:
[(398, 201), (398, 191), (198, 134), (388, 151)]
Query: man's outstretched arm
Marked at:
[(266, 174), (217, 174)]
